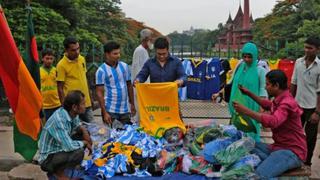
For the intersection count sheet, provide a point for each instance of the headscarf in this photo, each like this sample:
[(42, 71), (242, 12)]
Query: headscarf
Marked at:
[(247, 76)]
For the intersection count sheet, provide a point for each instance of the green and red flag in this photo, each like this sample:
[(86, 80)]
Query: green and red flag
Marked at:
[(23, 95), (31, 57)]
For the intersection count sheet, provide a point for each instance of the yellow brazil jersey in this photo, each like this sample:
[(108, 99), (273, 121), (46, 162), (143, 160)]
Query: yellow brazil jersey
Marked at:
[(49, 89), (233, 63), (273, 63), (73, 74), (159, 107)]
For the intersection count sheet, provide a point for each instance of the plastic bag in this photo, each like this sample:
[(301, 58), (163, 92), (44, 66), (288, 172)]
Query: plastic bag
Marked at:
[(235, 151), (98, 132), (212, 148)]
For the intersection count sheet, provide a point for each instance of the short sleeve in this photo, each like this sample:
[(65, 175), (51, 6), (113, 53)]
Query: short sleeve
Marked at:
[(128, 73), (100, 76), (61, 72)]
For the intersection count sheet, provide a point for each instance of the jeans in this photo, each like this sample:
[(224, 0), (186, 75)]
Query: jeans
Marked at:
[(123, 118), (87, 116), (311, 133), (62, 160), (274, 163)]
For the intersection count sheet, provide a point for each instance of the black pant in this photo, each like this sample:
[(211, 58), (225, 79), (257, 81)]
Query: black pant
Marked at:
[(311, 133), (62, 160)]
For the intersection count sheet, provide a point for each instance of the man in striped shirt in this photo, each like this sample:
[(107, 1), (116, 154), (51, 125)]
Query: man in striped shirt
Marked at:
[(114, 88), (57, 145)]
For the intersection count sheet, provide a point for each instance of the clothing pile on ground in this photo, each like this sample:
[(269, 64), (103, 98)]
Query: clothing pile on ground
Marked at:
[(217, 151)]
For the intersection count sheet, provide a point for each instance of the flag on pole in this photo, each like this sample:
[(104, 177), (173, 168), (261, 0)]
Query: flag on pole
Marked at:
[(31, 53), (23, 95)]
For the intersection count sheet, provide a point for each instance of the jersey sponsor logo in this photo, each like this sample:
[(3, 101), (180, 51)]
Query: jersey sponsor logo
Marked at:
[(192, 79), (158, 108)]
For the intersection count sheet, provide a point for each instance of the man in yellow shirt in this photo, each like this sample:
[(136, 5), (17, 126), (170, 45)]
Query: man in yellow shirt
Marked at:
[(49, 91), (71, 75)]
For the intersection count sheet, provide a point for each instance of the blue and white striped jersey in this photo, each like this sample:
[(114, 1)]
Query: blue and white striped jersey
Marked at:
[(115, 86), (188, 70)]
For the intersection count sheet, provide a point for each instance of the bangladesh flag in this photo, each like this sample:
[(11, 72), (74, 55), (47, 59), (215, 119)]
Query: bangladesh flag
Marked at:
[(24, 144), (23, 95)]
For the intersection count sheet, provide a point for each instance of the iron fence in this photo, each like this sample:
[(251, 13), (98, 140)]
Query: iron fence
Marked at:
[(193, 109)]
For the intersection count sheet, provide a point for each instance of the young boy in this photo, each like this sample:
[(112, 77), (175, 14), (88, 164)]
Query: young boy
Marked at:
[(289, 149), (49, 89)]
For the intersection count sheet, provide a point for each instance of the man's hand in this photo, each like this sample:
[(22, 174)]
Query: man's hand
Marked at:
[(241, 109), (314, 119), (179, 82), (107, 118), (133, 110), (214, 97), (88, 146), (136, 81), (85, 135), (244, 90)]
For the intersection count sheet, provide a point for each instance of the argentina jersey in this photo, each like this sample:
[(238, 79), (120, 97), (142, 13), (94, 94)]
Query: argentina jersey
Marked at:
[(188, 70), (115, 86)]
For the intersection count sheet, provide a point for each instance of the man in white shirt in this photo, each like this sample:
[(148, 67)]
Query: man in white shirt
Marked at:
[(140, 56), (305, 86)]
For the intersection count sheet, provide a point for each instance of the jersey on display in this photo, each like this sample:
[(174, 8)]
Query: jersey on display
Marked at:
[(195, 83), (287, 66), (212, 81), (188, 70)]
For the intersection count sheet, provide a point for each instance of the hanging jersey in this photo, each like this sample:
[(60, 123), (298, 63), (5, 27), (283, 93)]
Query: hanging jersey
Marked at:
[(264, 64), (212, 78), (233, 64), (115, 86), (159, 108), (188, 70), (273, 63), (287, 66), (195, 83)]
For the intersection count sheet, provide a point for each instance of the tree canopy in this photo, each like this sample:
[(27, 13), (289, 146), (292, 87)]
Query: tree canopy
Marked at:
[(93, 22), (287, 26)]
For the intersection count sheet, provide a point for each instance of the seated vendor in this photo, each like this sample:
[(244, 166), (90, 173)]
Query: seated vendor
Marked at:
[(57, 147), (289, 149)]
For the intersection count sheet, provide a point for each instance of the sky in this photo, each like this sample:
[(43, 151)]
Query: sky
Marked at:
[(177, 15)]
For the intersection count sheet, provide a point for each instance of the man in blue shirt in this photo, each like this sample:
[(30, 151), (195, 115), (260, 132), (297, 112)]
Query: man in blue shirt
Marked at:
[(114, 88), (163, 67), (58, 148)]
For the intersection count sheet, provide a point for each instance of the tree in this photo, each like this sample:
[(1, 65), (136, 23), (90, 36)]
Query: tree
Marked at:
[(290, 22)]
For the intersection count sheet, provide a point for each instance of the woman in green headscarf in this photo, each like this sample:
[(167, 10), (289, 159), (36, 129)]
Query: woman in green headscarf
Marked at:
[(252, 77)]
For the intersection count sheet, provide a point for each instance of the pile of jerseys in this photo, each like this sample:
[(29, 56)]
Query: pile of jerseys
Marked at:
[(220, 152), (128, 151)]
